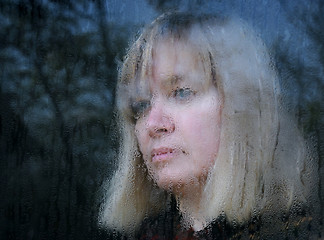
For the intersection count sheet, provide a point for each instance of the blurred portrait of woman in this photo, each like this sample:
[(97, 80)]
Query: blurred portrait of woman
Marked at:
[(208, 149)]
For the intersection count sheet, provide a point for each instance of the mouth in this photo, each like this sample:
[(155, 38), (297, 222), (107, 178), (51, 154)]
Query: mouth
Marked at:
[(164, 154)]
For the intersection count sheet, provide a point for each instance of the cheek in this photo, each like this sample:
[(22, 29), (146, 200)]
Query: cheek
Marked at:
[(201, 129), (201, 123), (140, 136), (142, 142), (211, 130)]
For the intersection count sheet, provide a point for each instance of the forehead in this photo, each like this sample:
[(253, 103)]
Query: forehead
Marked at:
[(165, 63), (174, 61)]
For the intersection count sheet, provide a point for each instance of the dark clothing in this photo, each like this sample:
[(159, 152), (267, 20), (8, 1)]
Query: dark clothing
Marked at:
[(221, 229), (167, 226)]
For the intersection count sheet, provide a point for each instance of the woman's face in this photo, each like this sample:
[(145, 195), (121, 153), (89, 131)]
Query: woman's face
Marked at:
[(178, 129)]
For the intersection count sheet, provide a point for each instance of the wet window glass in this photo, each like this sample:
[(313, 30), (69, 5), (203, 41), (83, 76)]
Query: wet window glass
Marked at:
[(159, 119)]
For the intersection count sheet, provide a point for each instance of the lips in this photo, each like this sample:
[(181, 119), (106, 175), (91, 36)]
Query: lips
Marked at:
[(163, 154)]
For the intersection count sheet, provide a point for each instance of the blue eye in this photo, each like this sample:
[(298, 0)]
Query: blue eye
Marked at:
[(139, 108), (182, 93)]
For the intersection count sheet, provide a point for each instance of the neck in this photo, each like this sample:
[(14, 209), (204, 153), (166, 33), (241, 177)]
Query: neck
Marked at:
[(189, 200)]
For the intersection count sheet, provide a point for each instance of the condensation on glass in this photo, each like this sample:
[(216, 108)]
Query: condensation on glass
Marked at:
[(124, 119)]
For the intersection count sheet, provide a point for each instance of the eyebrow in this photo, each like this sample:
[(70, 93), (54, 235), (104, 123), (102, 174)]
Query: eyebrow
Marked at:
[(172, 80)]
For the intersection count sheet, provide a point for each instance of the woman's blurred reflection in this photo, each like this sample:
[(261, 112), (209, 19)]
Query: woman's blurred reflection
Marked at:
[(207, 149)]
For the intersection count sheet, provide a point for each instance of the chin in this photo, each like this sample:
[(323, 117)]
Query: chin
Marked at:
[(173, 181), (168, 181)]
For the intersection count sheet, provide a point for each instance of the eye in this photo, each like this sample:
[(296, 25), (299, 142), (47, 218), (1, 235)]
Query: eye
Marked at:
[(183, 93), (139, 108)]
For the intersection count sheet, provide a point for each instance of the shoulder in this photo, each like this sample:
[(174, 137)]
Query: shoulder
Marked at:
[(292, 226), (167, 225)]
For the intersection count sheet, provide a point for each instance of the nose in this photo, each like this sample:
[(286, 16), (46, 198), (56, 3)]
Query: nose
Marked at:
[(159, 121)]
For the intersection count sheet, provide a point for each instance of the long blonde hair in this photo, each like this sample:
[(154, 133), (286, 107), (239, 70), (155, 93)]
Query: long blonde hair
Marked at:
[(263, 163)]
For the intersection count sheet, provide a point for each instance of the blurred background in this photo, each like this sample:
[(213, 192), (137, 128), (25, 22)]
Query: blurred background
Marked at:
[(58, 70)]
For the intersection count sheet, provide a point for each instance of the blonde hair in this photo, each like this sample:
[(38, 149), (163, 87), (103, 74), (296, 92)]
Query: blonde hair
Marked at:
[(262, 164)]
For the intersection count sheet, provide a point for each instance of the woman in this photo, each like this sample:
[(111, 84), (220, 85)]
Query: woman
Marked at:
[(207, 149)]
